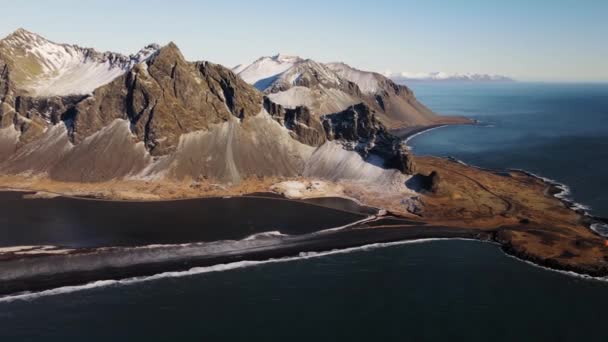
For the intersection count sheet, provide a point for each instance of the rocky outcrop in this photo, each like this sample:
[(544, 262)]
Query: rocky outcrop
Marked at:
[(358, 129), (42, 68), (396, 104), (425, 183), (303, 126), (330, 88), (164, 98)]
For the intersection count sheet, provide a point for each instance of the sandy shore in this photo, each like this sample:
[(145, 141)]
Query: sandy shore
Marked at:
[(36, 274), (513, 208)]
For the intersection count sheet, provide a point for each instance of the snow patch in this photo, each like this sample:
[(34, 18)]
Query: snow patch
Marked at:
[(332, 162), (367, 81), (266, 67), (66, 69)]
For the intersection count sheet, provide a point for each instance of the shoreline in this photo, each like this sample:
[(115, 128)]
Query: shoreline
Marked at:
[(561, 191), (526, 240), (263, 248), (322, 246), (554, 190), (406, 134), (260, 195), (214, 268)]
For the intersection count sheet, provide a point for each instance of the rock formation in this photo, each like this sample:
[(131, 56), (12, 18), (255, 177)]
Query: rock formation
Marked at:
[(331, 88), (161, 116)]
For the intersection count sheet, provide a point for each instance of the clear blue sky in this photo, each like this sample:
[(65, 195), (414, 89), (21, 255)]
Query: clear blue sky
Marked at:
[(548, 40)]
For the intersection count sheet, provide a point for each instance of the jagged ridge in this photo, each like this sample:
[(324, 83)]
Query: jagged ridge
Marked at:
[(167, 117)]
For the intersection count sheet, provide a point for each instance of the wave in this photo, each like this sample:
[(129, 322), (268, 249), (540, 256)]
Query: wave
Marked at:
[(422, 132), (265, 235), (564, 193), (28, 296), (365, 220), (600, 228), (568, 273), (456, 160)]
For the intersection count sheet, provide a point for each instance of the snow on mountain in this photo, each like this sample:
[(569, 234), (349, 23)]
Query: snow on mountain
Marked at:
[(305, 73), (262, 72), (367, 81), (443, 76), (45, 68), (331, 88), (293, 81)]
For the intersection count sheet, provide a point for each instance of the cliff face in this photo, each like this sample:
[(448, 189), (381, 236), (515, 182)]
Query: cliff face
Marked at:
[(166, 117), (164, 98), (396, 105), (334, 87), (358, 128), (303, 126)]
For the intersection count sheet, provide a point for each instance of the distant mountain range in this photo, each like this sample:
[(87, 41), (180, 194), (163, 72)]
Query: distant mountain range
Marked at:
[(405, 77)]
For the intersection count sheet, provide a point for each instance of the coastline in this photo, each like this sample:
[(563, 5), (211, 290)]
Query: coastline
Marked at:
[(406, 134), (561, 191), (562, 239), (33, 194), (282, 248), (459, 222), (150, 261)]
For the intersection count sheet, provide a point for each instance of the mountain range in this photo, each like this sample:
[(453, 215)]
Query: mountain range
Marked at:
[(75, 114), (405, 77), (293, 81)]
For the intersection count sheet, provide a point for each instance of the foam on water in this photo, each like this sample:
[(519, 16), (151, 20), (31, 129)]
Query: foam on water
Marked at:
[(600, 228), (201, 270), (421, 132), (265, 235), (564, 193), (568, 273)]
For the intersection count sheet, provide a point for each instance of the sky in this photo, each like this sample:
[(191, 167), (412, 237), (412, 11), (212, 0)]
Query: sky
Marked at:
[(533, 40)]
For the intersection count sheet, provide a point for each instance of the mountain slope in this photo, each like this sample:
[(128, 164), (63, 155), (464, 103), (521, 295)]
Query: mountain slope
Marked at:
[(397, 102), (43, 68), (170, 119), (330, 88)]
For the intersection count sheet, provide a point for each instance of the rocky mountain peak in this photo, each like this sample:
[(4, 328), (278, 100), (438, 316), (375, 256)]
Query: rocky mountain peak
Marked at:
[(284, 58), (305, 73), (166, 97), (22, 35), (42, 68)]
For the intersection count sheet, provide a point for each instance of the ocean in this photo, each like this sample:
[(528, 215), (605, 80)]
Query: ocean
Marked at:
[(432, 290), (557, 131)]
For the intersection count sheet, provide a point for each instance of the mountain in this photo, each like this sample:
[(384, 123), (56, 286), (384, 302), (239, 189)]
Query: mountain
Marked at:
[(156, 116), (446, 77), (43, 68), (330, 88)]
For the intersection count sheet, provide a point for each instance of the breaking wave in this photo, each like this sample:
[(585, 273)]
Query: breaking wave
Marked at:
[(406, 140), (564, 194), (568, 273), (28, 296)]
